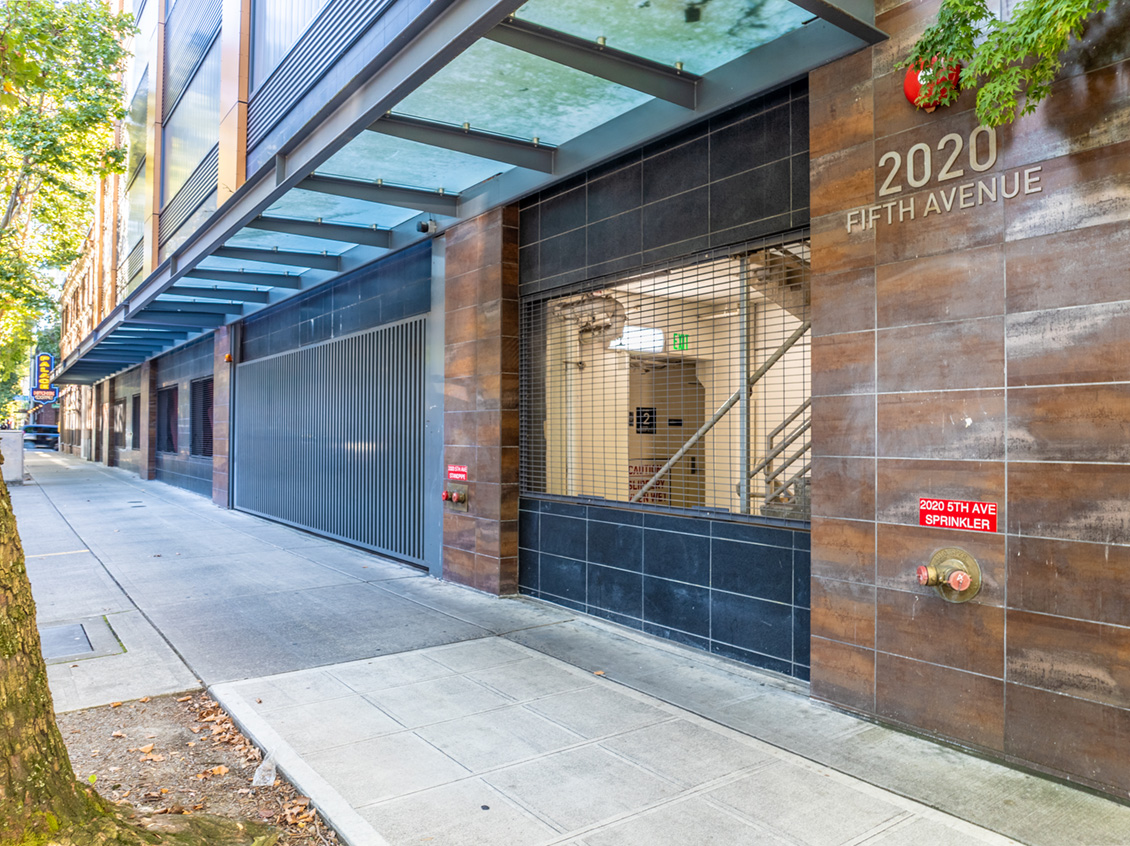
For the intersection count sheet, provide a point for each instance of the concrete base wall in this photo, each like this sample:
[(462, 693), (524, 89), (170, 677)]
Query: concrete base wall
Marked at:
[(12, 448)]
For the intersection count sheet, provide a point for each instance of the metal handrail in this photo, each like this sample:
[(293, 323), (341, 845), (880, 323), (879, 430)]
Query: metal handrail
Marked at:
[(801, 473), (787, 463), (781, 448), (803, 407), (721, 412), (772, 489)]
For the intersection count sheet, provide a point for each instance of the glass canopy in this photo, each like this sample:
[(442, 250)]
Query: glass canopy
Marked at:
[(551, 90), (703, 35)]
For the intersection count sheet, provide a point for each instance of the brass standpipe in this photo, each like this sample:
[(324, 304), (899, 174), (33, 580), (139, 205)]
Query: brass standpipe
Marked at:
[(953, 573)]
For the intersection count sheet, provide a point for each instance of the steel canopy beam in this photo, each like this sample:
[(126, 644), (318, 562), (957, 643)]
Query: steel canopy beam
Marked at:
[(215, 294), (429, 202), (148, 333), (835, 14), (631, 71), (473, 142), (198, 321), (368, 236), (314, 261), (128, 351), (132, 346), (270, 280), (166, 307)]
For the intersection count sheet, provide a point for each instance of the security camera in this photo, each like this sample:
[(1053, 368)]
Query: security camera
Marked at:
[(426, 226)]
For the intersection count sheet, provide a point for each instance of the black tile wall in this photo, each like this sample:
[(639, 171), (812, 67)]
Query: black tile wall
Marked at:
[(735, 589), (192, 473), (392, 289), (740, 175)]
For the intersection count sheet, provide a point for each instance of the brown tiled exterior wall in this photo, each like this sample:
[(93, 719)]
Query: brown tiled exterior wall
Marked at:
[(222, 365), (979, 354), (480, 423)]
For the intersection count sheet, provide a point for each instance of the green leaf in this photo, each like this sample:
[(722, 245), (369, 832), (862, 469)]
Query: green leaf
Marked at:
[(1010, 63)]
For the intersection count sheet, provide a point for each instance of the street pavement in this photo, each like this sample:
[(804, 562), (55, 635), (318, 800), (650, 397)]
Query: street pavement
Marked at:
[(414, 711)]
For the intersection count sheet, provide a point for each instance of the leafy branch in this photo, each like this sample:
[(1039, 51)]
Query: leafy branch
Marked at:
[(1011, 63), (61, 64)]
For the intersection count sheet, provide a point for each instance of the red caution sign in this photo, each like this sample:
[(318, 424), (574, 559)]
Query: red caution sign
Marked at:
[(457, 472), (957, 514)]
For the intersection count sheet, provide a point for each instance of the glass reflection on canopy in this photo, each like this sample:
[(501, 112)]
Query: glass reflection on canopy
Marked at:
[(498, 89), (702, 34)]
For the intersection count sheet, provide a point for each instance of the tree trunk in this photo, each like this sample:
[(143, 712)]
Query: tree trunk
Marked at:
[(38, 790), (41, 802)]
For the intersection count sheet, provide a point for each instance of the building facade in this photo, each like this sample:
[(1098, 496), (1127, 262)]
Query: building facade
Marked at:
[(675, 314)]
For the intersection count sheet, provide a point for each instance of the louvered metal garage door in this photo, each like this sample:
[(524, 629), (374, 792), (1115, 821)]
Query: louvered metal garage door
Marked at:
[(330, 438)]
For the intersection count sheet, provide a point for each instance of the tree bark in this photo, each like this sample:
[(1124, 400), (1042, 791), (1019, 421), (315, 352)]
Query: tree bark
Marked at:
[(41, 802), (38, 790)]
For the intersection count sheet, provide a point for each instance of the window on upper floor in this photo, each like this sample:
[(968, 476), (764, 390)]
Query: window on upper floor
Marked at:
[(193, 128), (275, 27)]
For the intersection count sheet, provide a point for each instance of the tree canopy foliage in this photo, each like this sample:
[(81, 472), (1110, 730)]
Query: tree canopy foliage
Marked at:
[(1010, 62), (60, 91)]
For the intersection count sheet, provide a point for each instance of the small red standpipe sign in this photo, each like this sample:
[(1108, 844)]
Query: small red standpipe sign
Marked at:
[(457, 472), (957, 514)]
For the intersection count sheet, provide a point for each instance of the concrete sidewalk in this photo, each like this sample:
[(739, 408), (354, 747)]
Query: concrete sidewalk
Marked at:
[(415, 711)]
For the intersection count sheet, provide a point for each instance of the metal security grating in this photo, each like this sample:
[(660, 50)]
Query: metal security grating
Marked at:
[(686, 385), (330, 438), (201, 420), (167, 419)]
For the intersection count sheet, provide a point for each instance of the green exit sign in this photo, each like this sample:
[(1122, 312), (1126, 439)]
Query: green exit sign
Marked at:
[(681, 341)]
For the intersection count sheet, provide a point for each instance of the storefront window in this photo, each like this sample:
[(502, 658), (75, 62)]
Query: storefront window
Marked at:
[(684, 386), (167, 419), (201, 417)]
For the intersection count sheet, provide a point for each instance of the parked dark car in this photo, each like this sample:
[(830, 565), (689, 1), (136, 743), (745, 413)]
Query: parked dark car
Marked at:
[(41, 435)]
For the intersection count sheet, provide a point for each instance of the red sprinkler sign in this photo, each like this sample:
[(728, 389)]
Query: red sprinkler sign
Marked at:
[(958, 514)]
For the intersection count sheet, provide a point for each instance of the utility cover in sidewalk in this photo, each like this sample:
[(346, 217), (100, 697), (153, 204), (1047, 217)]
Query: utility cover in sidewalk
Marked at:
[(88, 638)]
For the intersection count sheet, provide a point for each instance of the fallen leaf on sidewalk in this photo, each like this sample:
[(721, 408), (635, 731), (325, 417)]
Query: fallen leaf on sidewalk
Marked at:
[(146, 749)]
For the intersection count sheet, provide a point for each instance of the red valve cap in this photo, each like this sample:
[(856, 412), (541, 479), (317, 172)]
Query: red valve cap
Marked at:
[(455, 496), (446, 496), (923, 573), (959, 580)]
